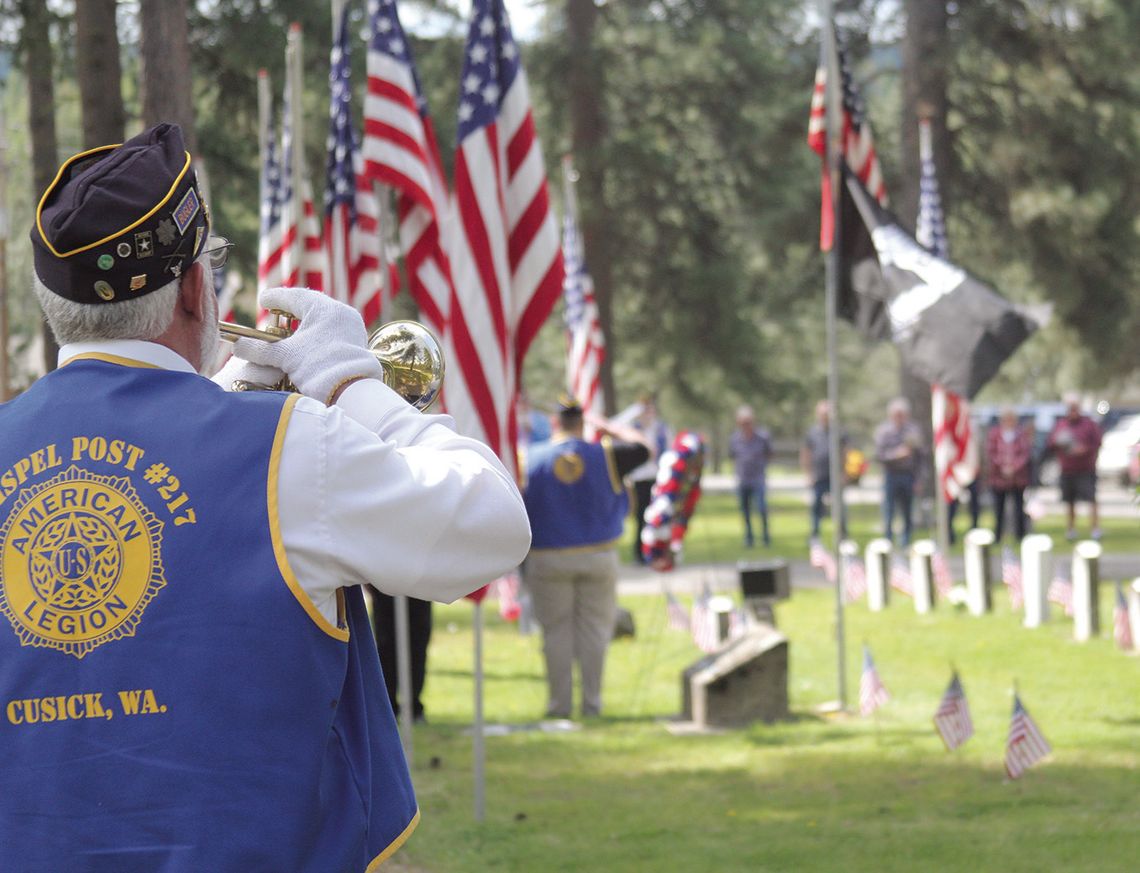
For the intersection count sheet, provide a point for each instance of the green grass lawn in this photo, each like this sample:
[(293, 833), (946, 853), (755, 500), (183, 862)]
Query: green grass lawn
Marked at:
[(815, 793)]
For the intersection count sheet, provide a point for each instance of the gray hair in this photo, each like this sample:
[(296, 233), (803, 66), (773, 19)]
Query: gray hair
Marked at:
[(899, 404), (142, 318)]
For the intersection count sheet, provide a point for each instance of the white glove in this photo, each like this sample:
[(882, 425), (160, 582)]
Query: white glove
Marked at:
[(237, 370), (329, 349)]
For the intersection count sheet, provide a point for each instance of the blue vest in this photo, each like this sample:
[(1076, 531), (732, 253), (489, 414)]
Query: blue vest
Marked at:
[(573, 495), (172, 700)]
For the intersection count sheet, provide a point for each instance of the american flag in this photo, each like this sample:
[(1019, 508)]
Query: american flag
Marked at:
[(678, 618), (586, 344), (820, 557), (505, 256), (930, 228), (943, 579), (1061, 593), (901, 579), (872, 692), (858, 149), (269, 249), (399, 149), (1026, 745), (854, 578), (1121, 625), (302, 252), (953, 716), (703, 622), (956, 455), (955, 446), (1011, 576), (352, 212)]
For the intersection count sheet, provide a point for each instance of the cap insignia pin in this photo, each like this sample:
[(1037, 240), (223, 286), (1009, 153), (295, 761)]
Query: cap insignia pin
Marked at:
[(105, 262), (138, 282), (104, 290), (166, 232), (124, 249), (144, 244)]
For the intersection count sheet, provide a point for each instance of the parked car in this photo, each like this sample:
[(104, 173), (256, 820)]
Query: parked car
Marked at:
[(1118, 451)]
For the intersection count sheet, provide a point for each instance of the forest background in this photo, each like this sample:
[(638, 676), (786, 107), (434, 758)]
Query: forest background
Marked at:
[(699, 196)]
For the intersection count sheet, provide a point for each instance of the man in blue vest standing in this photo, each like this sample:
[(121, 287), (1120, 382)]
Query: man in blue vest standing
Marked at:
[(187, 674), (577, 506)]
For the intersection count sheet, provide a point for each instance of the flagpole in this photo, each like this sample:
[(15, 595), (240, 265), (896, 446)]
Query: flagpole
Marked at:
[(293, 63), (832, 98)]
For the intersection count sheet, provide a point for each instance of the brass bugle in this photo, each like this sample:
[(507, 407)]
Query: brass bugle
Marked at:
[(411, 358)]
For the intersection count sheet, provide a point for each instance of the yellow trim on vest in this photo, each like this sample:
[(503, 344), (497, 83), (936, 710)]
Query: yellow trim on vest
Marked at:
[(394, 845), (111, 359), (275, 530), (117, 233), (611, 465)]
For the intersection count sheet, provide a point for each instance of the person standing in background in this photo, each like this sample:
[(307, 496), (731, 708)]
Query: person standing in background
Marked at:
[(419, 636), (898, 447), (815, 461), (644, 418), (751, 449), (1009, 453), (577, 505), (1075, 440)]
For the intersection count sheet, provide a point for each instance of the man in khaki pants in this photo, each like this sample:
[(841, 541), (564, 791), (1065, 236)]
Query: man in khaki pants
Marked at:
[(577, 506)]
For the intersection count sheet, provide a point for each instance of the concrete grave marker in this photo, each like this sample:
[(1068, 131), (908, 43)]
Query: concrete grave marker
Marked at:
[(979, 570), (1036, 574), (878, 573)]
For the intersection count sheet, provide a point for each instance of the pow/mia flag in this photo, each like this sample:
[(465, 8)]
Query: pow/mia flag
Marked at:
[(951, 328)]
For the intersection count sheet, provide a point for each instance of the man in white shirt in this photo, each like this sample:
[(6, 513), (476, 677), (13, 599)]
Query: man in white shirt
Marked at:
[(193, 681)]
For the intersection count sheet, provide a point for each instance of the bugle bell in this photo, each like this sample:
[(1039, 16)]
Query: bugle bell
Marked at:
[(409, 355)]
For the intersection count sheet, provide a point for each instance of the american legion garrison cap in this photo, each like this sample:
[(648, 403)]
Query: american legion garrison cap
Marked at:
[(120, 221)]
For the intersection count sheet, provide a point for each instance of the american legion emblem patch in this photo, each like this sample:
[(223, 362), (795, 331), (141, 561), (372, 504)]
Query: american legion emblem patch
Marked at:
[(569, 467), (80, 559)]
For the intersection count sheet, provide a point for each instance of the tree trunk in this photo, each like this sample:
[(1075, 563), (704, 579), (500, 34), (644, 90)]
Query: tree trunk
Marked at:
[(925, 55), (35, 43), (587, 133), (165, 67), (99, 72)]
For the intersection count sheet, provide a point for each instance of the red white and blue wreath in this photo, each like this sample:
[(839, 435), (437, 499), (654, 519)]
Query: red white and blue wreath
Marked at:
[(673, 501)]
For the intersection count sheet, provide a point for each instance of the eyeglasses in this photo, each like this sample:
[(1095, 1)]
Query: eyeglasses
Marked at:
[(218, 248)]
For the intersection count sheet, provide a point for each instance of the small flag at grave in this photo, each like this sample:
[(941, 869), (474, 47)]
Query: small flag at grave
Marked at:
[(1121, 626), (855, 578), (901, 578), (872, 692), (678, 618), (953, 716), (1011, 576), (704, 622), (943, 580), (823, 559), (1061, 593), (1026, 745)]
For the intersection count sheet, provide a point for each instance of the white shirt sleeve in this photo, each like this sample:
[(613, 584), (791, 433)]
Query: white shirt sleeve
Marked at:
[(372, 491)]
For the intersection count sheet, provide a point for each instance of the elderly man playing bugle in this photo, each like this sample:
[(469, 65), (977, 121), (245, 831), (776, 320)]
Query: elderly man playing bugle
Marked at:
[(189, 681)]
